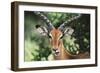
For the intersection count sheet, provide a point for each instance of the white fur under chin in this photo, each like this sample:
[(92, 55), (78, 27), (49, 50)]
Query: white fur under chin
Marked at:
[(57, 54)]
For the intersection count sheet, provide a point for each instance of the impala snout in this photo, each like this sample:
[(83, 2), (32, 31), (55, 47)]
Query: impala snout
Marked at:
[(54, 49), (56, 52)]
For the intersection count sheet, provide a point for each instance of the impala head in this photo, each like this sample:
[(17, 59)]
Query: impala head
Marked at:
[(55, 34), (55, 39)]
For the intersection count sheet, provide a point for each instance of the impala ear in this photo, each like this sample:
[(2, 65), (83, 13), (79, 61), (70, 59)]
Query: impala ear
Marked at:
[(68, 31), (42, 30)]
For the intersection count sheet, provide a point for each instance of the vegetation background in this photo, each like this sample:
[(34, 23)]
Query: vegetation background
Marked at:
[(37, 47)]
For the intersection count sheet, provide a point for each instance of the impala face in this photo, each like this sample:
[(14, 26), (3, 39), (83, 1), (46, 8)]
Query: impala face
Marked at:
[(55, 39), (55, 36)]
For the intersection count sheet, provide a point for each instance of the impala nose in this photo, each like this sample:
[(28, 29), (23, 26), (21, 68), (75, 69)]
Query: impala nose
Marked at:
[(56, 52), (54, 49)]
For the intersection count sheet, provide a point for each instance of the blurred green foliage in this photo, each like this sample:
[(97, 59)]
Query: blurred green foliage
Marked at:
[(37, 47)]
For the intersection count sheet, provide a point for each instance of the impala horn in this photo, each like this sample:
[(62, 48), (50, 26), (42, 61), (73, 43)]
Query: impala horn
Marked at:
[(66, 23), (45, 19)]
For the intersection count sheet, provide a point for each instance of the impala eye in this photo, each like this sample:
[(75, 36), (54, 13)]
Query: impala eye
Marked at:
[(61, 36), (49, 36)]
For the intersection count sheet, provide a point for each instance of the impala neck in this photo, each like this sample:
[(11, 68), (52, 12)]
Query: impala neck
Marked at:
[(63, 53)]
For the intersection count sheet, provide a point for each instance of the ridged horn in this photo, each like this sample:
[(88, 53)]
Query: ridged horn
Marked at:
[(45, 19), (66, 23)]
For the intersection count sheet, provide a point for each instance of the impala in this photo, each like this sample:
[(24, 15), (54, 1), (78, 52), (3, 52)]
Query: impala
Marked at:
[(56, 35)]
